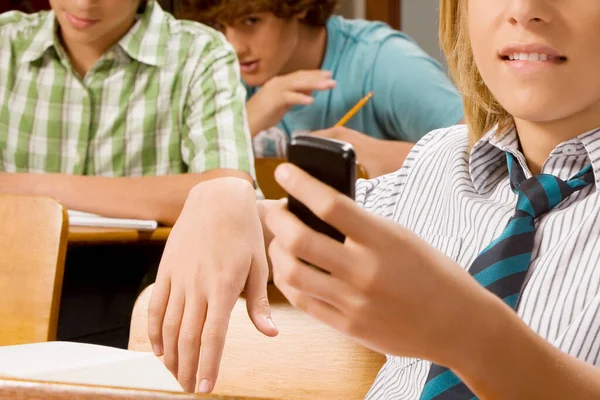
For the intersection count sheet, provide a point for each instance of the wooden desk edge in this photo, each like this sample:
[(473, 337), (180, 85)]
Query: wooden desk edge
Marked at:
[(85, 235), (21, 389)]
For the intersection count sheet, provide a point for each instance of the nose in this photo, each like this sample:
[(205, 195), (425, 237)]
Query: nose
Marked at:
[(86, 3), (528, 12), (239, 44)]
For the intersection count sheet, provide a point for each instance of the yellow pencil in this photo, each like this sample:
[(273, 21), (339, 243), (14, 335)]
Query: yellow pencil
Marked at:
[(355, 110)]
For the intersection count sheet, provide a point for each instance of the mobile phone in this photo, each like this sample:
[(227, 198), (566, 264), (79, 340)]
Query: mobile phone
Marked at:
[(331, 161)]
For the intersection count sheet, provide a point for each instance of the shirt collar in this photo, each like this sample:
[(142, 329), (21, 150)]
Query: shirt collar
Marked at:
[(591, 142), (43, 39), (488, 157), (145, 42)]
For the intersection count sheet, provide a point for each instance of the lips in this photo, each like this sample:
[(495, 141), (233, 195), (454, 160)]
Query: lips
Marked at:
[(249, 66), (79, 22)]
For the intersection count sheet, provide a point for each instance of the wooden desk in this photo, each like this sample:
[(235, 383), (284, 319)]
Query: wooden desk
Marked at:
[(17, 389), (79, 235)]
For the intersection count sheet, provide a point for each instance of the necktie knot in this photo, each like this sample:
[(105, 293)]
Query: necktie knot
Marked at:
[(541, 193)]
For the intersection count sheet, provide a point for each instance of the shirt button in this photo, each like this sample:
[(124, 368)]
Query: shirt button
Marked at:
[(569, 149)]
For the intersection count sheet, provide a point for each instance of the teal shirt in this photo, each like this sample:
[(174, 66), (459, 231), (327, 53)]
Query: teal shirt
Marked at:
[(413, 95)]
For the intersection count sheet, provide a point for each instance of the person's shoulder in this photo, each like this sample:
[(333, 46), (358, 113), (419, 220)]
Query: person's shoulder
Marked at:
[(454, 137), (15, 24), (445, 148), (377, 38), (191, 29), (354, 50), (369, 33), (199, 38), (377, 46)]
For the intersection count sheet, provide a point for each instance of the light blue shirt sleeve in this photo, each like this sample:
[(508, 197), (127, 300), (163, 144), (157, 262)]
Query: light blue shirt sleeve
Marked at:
[(413, 94)]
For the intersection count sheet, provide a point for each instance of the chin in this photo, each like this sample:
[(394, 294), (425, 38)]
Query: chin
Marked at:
[(535, 114), (80, 36), (254, 80), (535, 106)]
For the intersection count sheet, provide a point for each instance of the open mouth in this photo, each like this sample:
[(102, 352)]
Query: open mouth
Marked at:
[(533, 57), (249, 67), (522, 53)]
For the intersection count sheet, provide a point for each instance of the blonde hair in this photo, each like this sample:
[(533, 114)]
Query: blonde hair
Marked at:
[(482, 110)]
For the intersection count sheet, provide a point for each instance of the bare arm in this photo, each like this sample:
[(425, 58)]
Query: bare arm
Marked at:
[(507, 360), (158, 198), (388, 156), (378, 156)]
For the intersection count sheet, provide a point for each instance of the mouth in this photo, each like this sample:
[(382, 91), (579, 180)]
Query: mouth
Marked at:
[(531, 53), (80, 22), (249, 66)]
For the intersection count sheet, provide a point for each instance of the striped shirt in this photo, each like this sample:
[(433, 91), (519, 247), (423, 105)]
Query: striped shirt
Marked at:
[(166, 99), (459, 201)]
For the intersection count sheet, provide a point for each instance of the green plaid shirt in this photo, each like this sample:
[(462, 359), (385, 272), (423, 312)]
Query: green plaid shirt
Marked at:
[(166, 99)]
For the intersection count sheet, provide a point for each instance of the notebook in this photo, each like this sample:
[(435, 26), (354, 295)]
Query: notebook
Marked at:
[(79, 218), (88, 364)]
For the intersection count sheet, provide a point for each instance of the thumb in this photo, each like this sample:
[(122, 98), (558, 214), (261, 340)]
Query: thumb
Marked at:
[(257, 301)]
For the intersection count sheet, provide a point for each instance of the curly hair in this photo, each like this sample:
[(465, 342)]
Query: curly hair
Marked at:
[(225, 11)]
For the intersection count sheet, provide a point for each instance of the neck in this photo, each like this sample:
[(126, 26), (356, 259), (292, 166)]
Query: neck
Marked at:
[(538, 139), (310, 51), (83, 55)]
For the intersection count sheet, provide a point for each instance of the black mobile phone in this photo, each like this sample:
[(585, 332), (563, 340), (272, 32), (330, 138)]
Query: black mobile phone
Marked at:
[(333, 162)]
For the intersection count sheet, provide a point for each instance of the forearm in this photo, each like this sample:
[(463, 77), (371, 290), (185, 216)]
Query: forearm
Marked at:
[(388, 156), (507, 360), (258, 120), (159, 198)]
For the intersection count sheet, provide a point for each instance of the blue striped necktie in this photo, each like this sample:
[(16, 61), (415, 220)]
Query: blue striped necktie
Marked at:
[(502, 266)]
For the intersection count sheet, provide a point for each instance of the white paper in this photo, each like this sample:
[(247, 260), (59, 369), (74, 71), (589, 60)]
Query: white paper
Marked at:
[(88, 364), (79, 218)]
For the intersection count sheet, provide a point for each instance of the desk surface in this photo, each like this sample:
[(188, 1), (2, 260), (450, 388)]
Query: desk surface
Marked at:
[(79, 235), (17, 389)]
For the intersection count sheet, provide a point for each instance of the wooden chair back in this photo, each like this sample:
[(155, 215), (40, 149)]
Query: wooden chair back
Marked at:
[(34, 241), (307, 360), (265, 176)]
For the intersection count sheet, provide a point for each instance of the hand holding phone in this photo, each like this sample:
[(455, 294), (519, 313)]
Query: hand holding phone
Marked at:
[(331, 161)]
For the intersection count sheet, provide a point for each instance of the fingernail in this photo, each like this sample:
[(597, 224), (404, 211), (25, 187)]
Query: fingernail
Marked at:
[(204, 386), (271, 323), (157, 350), (327, 83), (282, 173)]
